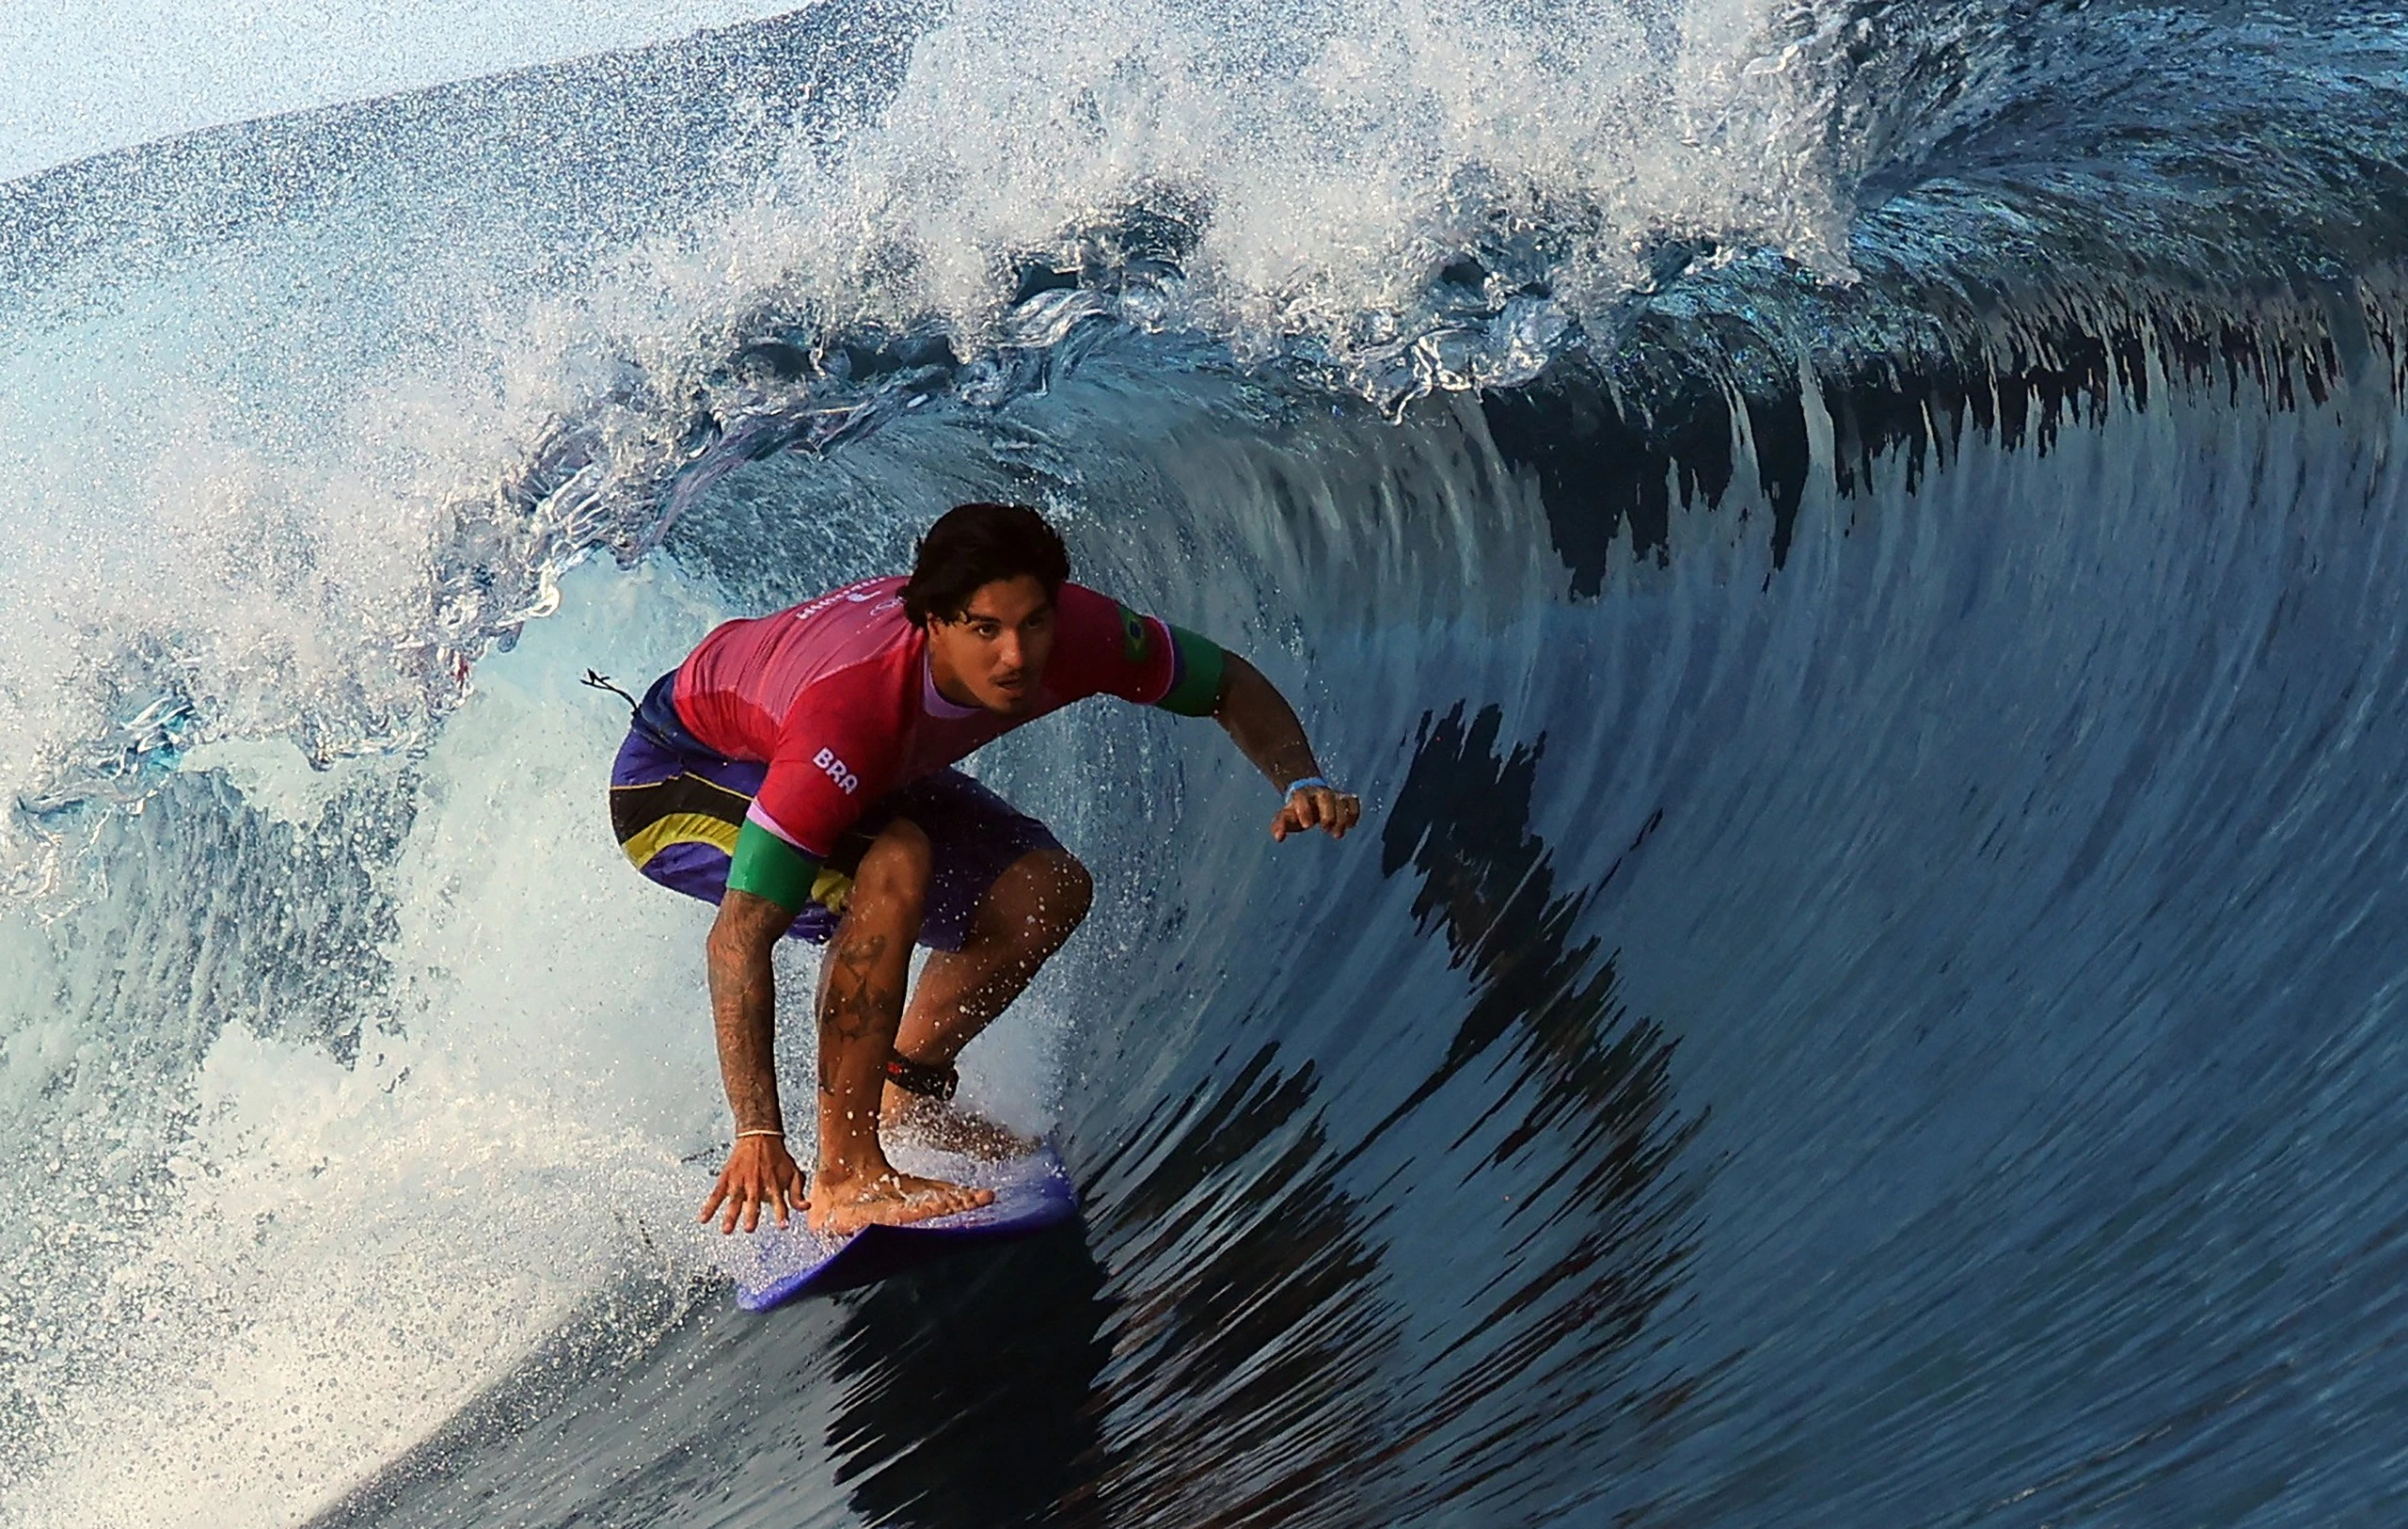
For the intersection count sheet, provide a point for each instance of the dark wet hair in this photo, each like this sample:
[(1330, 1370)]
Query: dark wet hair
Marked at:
[(973, 546)]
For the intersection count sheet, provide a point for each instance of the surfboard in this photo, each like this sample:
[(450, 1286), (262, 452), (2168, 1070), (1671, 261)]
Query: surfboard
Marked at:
[(772, 1264)]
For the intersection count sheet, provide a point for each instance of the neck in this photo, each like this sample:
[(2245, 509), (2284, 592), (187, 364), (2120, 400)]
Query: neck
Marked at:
[(949, 684)]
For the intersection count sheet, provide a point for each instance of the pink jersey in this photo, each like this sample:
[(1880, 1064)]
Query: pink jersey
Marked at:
[(836, 696)]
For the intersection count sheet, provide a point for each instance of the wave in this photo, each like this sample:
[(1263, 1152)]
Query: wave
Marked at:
[(1846, 548), (783, 261)]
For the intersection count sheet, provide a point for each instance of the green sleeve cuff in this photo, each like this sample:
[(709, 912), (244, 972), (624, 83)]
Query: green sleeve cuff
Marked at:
[(1196, 691), (769, 866)]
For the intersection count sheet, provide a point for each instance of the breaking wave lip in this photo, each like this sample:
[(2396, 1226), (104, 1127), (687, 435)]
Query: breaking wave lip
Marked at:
[(1974, 288), (622, 231), (1910, 224)]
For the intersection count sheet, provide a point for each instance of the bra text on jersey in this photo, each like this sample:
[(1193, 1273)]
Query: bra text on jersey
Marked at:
[(845, 780)]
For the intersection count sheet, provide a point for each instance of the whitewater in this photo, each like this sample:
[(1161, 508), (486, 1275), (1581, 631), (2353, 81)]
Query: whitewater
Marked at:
[(1853, 551)]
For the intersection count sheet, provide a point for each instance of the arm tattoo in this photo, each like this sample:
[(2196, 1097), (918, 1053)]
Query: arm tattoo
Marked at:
[(744, 1006)]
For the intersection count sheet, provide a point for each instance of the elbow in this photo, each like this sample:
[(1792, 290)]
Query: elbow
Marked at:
[(722, 950), (736, 941), (1238, 678), (721, 944)]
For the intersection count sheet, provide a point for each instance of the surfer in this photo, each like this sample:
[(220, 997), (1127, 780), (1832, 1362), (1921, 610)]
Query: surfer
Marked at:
[(795, 771)]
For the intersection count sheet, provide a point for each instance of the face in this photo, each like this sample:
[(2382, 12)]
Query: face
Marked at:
[(995, 653)]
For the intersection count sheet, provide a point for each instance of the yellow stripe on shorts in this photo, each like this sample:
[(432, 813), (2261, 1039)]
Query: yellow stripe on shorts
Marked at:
[(681, 828)]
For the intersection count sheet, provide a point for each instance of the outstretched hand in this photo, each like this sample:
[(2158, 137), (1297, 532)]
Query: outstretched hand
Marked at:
[(759, 1176), (1330, 811)]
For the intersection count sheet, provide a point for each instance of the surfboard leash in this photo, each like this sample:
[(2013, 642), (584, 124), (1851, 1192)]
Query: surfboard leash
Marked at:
[(920, 1078), (602, 682)]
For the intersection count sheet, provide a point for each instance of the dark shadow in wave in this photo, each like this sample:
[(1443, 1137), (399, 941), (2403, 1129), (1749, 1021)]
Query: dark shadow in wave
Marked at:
[(1253, 1327), (966, 1383), (1285, 1350), (1586, 1162)]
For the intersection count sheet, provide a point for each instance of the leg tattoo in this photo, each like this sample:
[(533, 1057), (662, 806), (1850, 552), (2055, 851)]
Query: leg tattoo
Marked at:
[(852, 1005)]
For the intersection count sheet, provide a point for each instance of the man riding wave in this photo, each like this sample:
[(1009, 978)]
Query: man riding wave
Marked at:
[(795, 771)]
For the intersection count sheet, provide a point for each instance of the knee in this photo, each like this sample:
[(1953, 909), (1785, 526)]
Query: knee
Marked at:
[(894, 874)]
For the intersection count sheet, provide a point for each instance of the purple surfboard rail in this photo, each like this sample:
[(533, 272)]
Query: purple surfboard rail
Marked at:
[(773, 1265)]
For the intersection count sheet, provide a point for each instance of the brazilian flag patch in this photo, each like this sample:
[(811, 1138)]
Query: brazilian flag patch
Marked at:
[(1136, 637)]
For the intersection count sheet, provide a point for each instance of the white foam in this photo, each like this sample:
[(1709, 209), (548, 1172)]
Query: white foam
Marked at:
[(345, 1254), (1338, 154), (275, 777), (243, 506)]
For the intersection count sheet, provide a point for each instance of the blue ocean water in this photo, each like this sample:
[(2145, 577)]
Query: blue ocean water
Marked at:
[(1853, 551)]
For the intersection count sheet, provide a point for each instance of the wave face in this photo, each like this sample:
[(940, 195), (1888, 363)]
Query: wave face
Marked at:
[(1852, 553)]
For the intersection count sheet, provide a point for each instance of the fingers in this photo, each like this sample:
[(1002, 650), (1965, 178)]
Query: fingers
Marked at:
[(759, 1177), (1333, 812), (1344, 812), (747, 1202), (1317, 807), (785, 1191)]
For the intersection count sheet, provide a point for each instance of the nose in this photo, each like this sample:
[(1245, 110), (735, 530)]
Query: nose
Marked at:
[(1008, 651)]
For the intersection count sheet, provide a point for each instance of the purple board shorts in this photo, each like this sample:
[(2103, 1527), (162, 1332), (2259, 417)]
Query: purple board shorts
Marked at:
[(676, 807)]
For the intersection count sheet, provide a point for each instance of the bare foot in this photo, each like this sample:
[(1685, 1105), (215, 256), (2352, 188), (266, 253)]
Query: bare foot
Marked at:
[(944, 1126), (844, 1206)]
